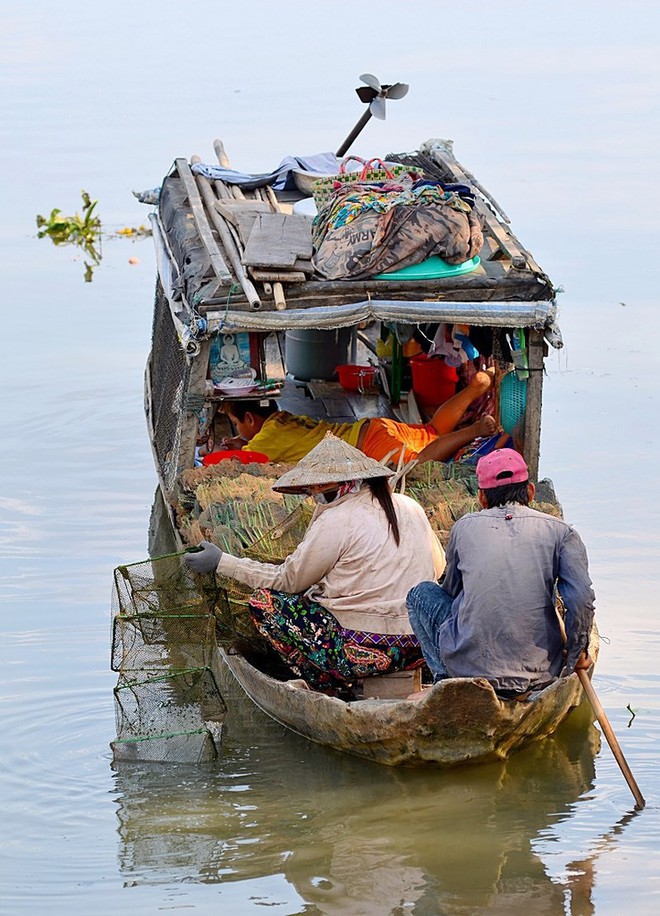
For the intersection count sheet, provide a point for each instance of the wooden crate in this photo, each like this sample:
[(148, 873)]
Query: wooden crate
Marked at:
[(394, 686)]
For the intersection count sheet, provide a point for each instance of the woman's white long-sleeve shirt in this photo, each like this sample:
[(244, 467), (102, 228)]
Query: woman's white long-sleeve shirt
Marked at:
[(349, 562)]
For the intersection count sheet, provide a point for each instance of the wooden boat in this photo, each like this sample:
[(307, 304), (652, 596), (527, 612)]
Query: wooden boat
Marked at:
[(204, 290), (458, 721), (208, 288)]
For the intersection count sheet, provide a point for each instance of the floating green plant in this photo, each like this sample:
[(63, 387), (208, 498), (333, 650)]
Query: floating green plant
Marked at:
[(81, 229), (84, 230)]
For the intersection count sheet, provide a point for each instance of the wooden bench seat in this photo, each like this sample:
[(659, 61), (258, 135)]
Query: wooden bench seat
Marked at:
[(395, 686)]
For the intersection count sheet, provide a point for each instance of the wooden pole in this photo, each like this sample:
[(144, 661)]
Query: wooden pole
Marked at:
[(221, 153), (197, 208), (223, 159), (610, 736), (278, 289), (532, 420), (227, 240)]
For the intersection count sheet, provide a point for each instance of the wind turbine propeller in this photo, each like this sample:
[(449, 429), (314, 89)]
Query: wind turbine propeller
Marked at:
[(375, 95)]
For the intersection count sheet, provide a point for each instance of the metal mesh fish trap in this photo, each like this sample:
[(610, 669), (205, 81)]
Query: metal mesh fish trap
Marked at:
[(161, 585), (175, 716), (162, 641), (167, 621), (167, 703)]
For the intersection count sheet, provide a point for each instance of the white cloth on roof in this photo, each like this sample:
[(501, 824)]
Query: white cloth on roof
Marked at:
[(280, 178)]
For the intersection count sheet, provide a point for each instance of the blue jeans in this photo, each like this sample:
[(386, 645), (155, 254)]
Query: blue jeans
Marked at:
[(429, 606)]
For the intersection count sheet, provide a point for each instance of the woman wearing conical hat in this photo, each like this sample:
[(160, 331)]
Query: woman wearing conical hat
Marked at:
[(335, 609)]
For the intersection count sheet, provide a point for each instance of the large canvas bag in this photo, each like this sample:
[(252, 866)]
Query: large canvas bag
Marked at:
[(374, 242), (344, 248)]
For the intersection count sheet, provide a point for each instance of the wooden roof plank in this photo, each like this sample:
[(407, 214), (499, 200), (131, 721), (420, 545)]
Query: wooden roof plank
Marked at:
[(199, 215), (278, 240)]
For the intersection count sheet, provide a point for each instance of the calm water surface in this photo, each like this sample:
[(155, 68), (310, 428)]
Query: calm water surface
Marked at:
[(555, 108)]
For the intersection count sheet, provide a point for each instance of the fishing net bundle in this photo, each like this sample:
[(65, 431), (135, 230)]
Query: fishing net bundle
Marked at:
[(236, 508), (448, 490)]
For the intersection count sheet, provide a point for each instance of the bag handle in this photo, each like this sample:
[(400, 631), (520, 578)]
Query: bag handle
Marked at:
[(369, 164), (346, 159)]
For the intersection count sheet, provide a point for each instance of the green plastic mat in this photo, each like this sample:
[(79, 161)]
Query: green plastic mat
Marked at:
[(431, 269)]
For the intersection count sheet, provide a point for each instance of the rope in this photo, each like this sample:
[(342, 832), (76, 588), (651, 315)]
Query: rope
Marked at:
[(234, 288)]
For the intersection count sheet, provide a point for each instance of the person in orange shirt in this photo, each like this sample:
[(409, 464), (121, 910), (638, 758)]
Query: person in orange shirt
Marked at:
[(286, 437)]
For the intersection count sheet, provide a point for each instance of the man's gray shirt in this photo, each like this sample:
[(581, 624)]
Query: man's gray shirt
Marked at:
[(502, 566)]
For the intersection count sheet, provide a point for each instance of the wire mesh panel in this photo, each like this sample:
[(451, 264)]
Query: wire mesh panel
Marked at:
[(155, 641), (169, 374), (175, 702), (167, 703), (162, 585), (173, 716), (199, 746)]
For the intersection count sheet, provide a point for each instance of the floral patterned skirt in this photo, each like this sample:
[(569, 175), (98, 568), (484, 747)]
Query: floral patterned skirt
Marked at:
[(310, 640)]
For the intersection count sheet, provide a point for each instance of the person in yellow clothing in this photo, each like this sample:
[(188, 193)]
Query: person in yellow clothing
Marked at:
[(286, 437)]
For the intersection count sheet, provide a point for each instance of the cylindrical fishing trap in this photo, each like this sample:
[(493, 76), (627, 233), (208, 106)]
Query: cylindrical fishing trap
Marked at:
[(167, 703)]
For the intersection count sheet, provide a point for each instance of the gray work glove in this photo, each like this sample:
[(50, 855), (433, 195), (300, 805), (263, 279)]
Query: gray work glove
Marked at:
[(204, 560)]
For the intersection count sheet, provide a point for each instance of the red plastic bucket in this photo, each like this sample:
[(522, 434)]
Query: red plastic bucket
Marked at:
[(242, 455), (433, 381), (356, 378)]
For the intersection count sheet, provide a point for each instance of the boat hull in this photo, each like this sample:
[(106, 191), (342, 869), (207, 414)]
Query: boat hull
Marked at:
[(458, 721)]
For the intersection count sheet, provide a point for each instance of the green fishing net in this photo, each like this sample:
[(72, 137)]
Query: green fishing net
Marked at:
[(167, 704), (168, 620)]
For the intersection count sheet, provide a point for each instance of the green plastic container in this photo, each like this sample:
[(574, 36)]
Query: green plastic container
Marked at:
[(513, 401)]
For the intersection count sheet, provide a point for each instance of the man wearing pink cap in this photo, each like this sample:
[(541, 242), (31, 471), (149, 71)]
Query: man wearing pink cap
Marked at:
[(494, 614)]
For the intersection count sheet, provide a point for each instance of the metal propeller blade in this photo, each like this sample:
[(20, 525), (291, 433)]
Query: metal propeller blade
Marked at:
[(371, 80), (396, 90), (377, 107), (376, 93)]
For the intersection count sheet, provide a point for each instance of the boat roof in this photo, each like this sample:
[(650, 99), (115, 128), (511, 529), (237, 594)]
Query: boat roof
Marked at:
[(200, 255)]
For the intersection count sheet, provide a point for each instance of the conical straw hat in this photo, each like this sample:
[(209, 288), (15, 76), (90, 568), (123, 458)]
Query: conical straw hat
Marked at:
[(331, 461)]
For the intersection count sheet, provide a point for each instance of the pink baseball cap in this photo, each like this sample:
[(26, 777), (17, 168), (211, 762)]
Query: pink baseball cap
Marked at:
[(501, 467)]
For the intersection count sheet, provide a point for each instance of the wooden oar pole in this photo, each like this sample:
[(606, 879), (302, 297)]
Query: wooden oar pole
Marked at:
[(610, 736)]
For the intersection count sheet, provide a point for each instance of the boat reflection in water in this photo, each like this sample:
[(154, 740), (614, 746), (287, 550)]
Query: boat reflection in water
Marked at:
[(279, 821)]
